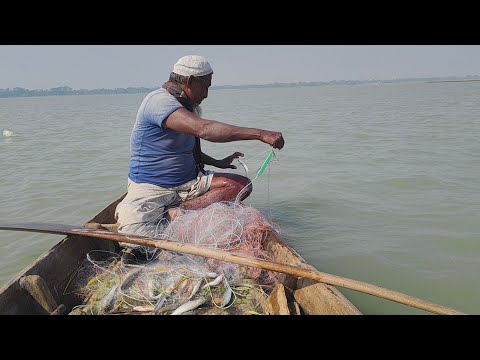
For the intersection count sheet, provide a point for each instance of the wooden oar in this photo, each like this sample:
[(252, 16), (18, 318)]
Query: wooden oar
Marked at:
[(237, 259)]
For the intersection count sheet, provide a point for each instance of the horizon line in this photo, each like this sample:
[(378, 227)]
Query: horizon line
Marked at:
[(452, 78)]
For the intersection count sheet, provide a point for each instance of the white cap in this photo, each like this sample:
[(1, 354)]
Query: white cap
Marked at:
[(195, 65)]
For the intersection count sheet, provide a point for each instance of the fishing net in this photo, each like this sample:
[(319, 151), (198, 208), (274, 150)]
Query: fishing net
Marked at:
[(154, 281)]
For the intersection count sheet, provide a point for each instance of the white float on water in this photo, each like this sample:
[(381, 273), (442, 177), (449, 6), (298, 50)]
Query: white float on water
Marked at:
[(8, 133)]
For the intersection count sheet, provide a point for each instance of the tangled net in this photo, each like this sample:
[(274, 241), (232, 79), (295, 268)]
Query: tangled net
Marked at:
[(164, 282), (226, 226)]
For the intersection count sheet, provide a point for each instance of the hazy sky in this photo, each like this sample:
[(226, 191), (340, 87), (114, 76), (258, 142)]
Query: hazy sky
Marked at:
[(112, 66)]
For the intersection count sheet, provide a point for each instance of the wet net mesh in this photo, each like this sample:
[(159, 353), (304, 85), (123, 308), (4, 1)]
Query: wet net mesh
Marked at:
[(154, 281)]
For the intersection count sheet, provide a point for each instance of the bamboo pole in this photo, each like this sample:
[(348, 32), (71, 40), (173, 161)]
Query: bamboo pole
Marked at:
[(221, 255)]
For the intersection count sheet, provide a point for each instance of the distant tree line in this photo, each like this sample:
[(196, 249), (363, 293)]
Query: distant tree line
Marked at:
[(65, 90)]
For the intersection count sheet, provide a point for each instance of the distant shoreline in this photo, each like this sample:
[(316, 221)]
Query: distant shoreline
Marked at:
[(68, 91), (444, 81)]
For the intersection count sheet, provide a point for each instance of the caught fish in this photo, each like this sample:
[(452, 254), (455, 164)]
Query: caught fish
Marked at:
[(226, 297), (159, 304), (191, 305), (108, 301), (130, 279), (210, 275), (195, 289), (215, 282), (143, 308), (165, 309)]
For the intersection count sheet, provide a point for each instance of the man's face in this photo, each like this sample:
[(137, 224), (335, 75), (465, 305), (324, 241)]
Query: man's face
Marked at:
[(199, 88)]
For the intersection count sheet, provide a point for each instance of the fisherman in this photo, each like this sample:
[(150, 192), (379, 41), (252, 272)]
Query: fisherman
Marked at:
[(167, 174)]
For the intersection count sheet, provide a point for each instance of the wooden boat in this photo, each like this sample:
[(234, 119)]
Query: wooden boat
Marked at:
[(41, 287)]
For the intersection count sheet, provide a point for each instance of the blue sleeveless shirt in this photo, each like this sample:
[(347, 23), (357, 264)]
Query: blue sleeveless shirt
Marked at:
[(158, 155)]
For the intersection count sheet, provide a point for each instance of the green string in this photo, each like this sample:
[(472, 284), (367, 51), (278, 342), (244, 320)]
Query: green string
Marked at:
[(265, 164)]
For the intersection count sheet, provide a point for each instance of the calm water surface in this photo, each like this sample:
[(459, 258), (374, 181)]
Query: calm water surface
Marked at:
[(379, 183)]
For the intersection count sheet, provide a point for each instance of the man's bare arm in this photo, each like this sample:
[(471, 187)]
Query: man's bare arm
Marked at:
[(225, 163), (208, 160), (186, 122)]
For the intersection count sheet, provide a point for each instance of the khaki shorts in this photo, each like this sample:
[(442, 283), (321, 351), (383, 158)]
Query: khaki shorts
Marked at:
[(142, 210)]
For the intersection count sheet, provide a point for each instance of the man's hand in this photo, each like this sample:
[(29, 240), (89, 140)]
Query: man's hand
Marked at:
[(227, 162), (273, 138)]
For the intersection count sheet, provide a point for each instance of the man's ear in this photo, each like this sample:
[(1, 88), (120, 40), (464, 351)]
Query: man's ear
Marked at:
[(189, 81)]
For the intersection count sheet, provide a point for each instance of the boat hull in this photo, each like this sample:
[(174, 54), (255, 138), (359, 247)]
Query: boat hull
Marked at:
[(54, 270)]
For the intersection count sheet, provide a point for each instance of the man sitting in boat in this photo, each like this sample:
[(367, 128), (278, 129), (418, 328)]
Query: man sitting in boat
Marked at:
[(167, 174)]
